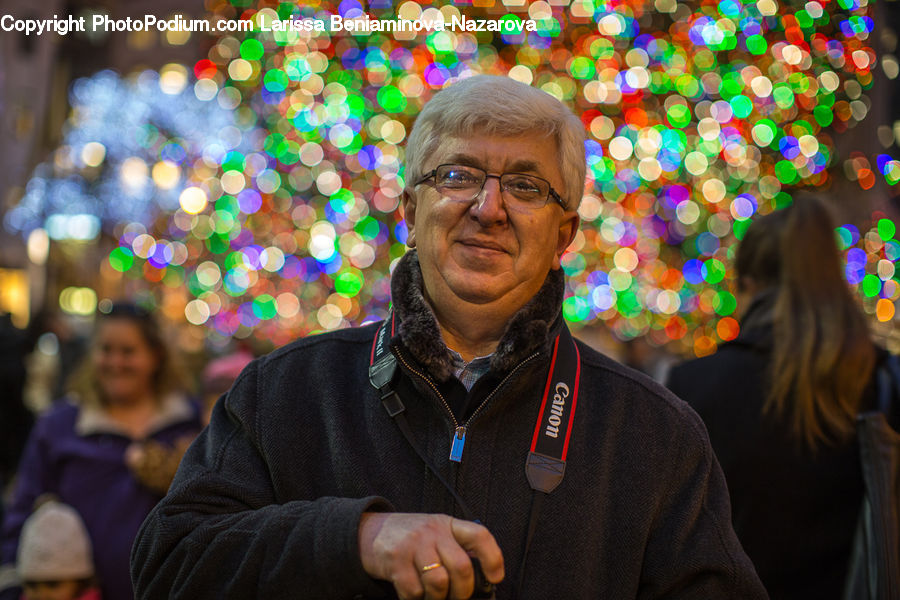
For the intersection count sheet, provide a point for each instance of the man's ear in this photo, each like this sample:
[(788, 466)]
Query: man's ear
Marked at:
[(568, 227), (409, 215)]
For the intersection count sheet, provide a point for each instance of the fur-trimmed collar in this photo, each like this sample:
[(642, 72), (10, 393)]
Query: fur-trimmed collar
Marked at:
[(528, 331)]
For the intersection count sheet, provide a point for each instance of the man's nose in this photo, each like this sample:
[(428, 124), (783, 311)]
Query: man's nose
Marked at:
[(488, 207)]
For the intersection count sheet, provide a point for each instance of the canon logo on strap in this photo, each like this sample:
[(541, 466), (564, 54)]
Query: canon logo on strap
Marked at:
[(556, 410), (546, 462)]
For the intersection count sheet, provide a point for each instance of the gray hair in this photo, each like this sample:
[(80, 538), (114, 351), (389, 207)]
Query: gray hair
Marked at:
[(498, 105)]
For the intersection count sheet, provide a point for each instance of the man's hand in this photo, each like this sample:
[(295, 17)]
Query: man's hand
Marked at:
[(396, 547)]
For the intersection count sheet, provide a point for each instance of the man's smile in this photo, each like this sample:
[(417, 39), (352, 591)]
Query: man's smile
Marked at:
[(479, 243)]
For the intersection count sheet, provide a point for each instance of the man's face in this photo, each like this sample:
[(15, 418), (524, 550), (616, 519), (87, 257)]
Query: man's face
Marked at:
[(481, 251)]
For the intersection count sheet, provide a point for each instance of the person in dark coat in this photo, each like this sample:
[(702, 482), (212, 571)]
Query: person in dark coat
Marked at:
[(304, 486), (15, 419), (780, 403)]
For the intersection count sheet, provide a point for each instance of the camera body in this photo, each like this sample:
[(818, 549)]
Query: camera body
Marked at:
[(484, 589)]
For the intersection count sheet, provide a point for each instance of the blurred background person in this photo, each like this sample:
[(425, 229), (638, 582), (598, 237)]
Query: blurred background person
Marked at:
[(15, 418), (89, 450), (59, 342), (55, 560), (219, 374), (780, 402)]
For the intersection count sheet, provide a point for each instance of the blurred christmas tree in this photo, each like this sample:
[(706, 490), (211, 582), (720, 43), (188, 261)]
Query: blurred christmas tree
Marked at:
[(700, 116)]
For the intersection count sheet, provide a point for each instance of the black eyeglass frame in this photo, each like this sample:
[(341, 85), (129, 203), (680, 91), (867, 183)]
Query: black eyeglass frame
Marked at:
[(551, 193)]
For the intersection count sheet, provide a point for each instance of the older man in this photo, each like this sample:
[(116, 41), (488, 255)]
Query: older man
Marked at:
[(378, 461)]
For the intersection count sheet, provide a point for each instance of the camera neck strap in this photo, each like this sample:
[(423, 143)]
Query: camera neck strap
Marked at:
[(545, 465), (382, 367), (546, 462)]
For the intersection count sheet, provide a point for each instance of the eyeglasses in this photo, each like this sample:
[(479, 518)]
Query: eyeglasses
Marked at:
[(463, 184)]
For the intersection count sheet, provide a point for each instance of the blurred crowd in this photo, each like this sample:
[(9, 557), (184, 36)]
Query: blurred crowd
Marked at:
[(81, 472)]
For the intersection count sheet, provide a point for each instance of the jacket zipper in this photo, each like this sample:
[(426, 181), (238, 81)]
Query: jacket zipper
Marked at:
[(458, 440)]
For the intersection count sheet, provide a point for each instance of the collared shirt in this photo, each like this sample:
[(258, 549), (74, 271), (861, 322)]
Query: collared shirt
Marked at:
[(469, 372)]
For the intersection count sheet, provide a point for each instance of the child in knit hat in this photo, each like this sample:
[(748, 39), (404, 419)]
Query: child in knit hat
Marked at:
[(54, 559)]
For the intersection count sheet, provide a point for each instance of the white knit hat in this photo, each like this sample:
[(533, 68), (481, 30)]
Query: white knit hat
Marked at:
[(54, 545)]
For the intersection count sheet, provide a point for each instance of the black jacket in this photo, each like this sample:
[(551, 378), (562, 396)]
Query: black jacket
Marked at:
[(794, 512), (267, 502)]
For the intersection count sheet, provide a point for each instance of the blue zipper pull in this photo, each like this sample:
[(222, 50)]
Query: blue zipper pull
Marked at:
[(459, 440)]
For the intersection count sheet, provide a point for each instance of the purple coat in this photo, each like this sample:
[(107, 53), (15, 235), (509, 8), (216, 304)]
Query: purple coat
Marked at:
[(78, 455)]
